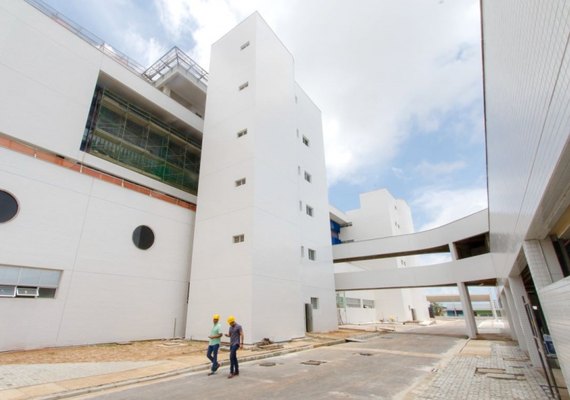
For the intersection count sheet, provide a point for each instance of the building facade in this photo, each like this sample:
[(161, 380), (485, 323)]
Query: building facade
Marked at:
[(100, 161), (527, 95), (380, 215), (262, 248)]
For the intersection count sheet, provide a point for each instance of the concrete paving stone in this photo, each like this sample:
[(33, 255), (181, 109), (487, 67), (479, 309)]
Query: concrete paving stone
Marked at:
[(15, 376), (460, 380)]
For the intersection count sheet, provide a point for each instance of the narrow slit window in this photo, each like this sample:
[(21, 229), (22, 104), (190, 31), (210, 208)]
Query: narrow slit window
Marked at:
[(309, 210), (243, 86), (243, 46), (306, 141), (312, 254), (239, 238), (240, 182), (308, 177), (241, 133)]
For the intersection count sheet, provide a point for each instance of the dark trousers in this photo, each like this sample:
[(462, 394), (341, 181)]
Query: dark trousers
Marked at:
[(213, 355), (234, 366)]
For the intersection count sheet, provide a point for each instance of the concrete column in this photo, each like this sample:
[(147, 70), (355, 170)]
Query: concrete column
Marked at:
[(509, 313), (470, 323), (542, 262), (453, 251), (519, 292)]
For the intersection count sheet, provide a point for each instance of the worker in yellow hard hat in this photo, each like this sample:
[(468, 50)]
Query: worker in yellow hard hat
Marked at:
[(236, 342), (214, 344)]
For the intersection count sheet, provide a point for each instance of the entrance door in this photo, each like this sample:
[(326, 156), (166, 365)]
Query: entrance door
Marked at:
[(539, 343)]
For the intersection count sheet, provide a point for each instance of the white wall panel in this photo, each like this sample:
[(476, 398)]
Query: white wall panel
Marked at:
[(555, 301), (527, 96), (109, 290)]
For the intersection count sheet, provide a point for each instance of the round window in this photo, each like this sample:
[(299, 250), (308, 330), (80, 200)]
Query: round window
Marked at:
[(143, 237), (8, 206)]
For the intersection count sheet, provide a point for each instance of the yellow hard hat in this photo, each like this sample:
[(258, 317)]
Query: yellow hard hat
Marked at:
[(231, 319), (216, 316)]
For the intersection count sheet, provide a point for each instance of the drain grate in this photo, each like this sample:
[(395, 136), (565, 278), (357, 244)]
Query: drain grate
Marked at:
[(267, 364), (500, 373), (313, 362), (365, 354), (490, 370)]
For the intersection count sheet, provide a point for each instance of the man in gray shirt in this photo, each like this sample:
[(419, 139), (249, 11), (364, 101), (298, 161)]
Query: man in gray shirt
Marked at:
[(236, 341)]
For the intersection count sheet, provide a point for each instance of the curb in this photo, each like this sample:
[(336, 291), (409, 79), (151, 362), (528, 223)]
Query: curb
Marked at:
[(182, 371)]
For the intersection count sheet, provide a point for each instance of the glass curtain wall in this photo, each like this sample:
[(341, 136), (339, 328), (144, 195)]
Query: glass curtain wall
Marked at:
[(124, 134)]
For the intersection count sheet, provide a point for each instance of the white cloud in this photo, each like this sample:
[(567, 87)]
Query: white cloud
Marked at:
[(442, 206), (148, 50), (371, 66), (435, 170)]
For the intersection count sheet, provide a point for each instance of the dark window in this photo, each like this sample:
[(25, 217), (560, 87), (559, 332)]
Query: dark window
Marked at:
[(143, 237), (125, 134), (48, 293), (8, 206)]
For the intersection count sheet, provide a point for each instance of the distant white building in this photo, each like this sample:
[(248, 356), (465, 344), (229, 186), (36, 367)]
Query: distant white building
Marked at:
[(380, 215)]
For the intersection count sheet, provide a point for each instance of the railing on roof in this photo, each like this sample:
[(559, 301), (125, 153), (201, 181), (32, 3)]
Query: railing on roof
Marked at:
[(151, 74), (172, 59), (89, 37)]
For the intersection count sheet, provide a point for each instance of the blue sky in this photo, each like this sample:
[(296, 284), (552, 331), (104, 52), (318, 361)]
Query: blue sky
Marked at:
[(399, 84)]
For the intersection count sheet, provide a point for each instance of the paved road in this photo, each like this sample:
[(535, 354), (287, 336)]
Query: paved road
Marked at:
[(383, 367)]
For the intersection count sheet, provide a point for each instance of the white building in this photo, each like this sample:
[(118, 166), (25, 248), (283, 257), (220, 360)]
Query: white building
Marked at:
[(99, 168), (262, 246), (380, 215), (99, 164), (527, 96)]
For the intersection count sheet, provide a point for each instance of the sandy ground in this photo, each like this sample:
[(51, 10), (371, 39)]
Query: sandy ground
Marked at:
[(147, 350)]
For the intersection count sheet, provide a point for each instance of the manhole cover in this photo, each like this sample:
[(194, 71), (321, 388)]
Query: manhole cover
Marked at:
[(267, 364), (313, 362)]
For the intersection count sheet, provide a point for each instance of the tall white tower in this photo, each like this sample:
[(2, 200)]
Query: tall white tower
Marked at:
[(262, 242)]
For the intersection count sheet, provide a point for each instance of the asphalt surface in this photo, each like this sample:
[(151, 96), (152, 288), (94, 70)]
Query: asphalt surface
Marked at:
[(383, 367)]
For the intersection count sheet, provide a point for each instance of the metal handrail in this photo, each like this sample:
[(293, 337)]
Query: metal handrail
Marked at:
[(180, 57), (175, 58)]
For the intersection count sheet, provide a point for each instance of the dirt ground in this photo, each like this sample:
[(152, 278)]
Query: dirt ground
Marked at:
[(147, 350)]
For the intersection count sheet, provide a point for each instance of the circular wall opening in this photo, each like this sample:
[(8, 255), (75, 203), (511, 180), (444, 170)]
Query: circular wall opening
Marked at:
[(8, 206), (143, 237)]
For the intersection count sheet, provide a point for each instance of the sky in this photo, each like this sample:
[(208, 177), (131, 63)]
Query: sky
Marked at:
[(398, 82)]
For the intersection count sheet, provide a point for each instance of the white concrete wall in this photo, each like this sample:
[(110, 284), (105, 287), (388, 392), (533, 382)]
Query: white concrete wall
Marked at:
[(475, 268), (466, 227), (527, 85), (110, 290), (526, 128), (265, 280), (317, 276)]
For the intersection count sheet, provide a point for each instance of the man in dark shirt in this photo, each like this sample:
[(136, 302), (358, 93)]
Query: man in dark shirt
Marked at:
[(236, 341)]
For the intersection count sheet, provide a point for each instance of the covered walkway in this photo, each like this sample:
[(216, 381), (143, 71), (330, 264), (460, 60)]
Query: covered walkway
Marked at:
[(466, 241)]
